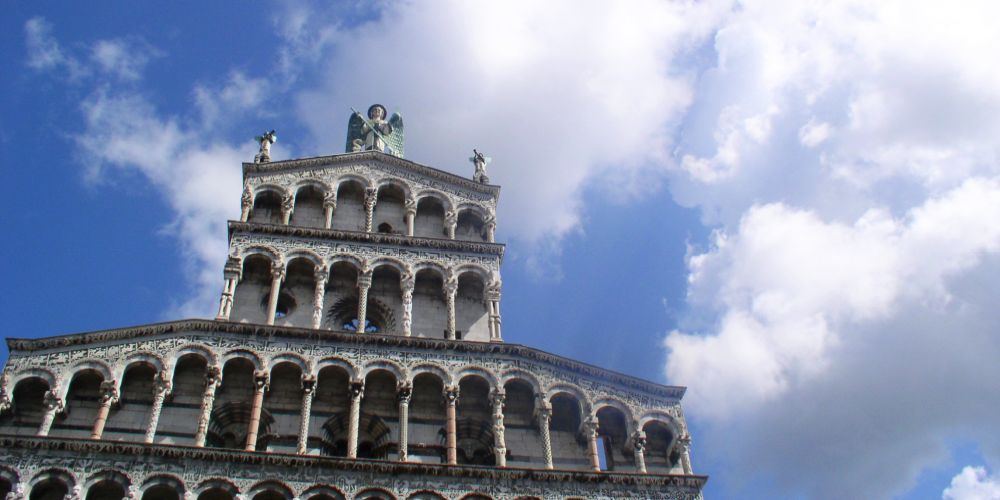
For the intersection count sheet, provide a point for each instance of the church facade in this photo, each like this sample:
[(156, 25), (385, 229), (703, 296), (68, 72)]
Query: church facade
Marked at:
[(357, 353)]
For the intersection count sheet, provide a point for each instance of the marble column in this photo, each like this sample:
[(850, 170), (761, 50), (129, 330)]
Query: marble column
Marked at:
[(52, 405), (357, 389), (161, 387), (407, 283), (287, 205), (685, 444), (451, 438), (450, 222), (450, 289), (319, 295), (404, 390), (364, 283), (543, 411), (260, 385), (590, 433), (639, 443), (371, 195), (491, 228), (329, 205), (308, 392), (246, 203), (410, 209), (499, 441), (277, 276), (493, 309), (109, 396), (213, 377), (231, 273)]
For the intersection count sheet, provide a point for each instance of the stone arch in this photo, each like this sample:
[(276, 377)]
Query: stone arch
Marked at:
[(55, 475), (310, 182), (477, 371), (100, 367), (36, 372), (365, 181), (274, 188), (426, 495), (394, 263), (10, 477), (307, 254), (272, 485), (613, 402), (321, 490), (375, 494), (445, 200), (676, 428), (198, 350), (289, 357), (348, 258), (220, 483), (397, 182), (430, 265), (384, 364), (344, 363), (267, 251), (170, 481), (115, 477), (476, 496), (245, 354), (523, 375), (436, 370), (141, 357), (268, 201), (574, 391), (476, 269)]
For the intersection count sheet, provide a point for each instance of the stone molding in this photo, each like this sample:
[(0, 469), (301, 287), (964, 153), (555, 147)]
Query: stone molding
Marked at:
[(496, 249), (93, 448), (17, 346)]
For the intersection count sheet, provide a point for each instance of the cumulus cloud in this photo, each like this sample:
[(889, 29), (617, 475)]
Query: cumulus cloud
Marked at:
[(854, 271), (559, 94), (972, 484)]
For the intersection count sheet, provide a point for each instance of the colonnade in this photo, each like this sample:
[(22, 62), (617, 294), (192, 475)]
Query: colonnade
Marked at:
[(404, 390)]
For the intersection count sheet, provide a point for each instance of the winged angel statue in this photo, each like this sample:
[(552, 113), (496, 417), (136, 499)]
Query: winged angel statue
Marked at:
[(375, 133)]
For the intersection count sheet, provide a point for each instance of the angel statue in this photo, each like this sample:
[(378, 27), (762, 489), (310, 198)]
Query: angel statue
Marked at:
[(376, 133), (265, 140), (480, 160)]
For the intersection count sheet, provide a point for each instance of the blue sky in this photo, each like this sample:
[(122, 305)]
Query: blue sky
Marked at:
[(789, 208)]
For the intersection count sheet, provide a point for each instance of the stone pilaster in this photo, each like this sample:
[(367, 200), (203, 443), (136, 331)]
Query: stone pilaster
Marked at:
[(109, 396), (364, 283), (161, 387), (308, 392), (277, 276), (450, 289), (499, 441), (52, 405), (357, 389), (319, 294), (590, 434), (287, 205), (329, 206), (403, 392), (543, 412), (450, 223), (260, 385), (213, 377), (407, 283), (451, 438), (246, 202), (639, 444), (410, 209), (371, 195)]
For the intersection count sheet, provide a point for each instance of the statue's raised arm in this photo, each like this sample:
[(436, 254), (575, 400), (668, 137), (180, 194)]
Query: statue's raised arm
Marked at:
[(375, 133)]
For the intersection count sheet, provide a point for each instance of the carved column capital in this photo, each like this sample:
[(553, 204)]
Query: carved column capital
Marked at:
[(213, 376), (404, 391), (52, 402), (246, 200), (260, 380), (365, 279), (639, 440), (589, 427), (162, 382), (371, 195), (109, 392), (287, 202), (450, 218), (410, 206), (308, 383), (330, 199), (357, 389), (451, 395)]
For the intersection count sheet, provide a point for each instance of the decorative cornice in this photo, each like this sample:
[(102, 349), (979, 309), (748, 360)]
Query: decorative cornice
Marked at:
[(332, 337), (364, 237), (344, 158), (215, 455)]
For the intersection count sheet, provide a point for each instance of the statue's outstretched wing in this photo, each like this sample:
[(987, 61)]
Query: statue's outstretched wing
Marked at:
[(354, 131), (396, 139)]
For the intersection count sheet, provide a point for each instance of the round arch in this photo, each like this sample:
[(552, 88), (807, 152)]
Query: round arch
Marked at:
[(343, 363), (322, 490), (445, 200), (433, 369), (292, 358), (477, 371), (165, 480), (243, 354), (271, 485), (386, 365)]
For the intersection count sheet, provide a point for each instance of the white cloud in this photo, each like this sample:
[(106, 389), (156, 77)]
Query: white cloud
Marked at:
[(842, 318), (44, 52), (559, 94), (972, 484), (120, 58)]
